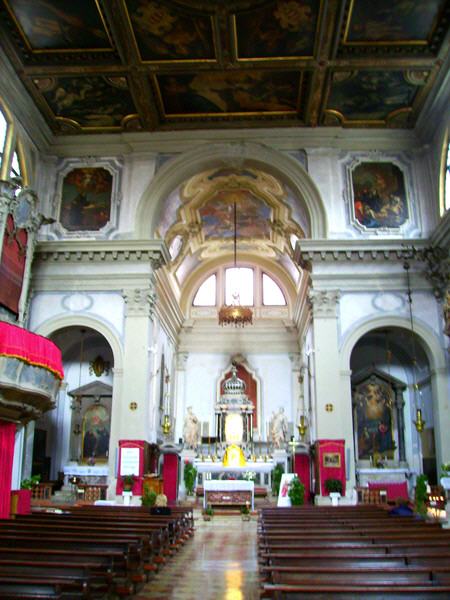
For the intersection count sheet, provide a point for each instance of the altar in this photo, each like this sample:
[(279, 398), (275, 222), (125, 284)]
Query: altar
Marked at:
[(228, 493), (207, 469)]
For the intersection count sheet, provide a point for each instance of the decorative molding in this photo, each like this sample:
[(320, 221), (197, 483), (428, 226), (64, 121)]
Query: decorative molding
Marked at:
[(75, 251), (308, 252), (139, 302), (324, 302)]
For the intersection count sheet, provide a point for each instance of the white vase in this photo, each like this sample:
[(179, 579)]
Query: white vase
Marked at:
[(127, 498), (335, 497)]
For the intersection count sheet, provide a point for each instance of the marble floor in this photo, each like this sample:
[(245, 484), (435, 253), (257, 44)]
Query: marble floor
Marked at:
[(218, 563)]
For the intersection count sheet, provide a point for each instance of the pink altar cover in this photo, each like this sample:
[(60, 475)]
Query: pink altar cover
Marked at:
[(303, 470), (137, 486), (170, 476), (330, 462), (7, 438), (33, 349), (394, 489)]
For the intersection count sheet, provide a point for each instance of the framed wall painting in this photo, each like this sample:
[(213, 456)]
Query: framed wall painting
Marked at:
[(87, 198), (379, 194), (95, 434), (331, 460)]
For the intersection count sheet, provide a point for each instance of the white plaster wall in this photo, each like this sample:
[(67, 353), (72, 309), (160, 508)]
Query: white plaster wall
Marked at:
[(105, 307), (138, 171), (204, 371)]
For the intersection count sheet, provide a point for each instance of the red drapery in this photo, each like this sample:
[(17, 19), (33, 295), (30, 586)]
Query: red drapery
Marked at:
[(32, 348), (170, 477), (12, 265), (138, 482), (303, 470), (7, 436), (330, 462), (250, 389)]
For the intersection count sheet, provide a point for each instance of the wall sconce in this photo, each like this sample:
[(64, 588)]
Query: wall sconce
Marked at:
[(166, 426), (419, 422), (302, 426)]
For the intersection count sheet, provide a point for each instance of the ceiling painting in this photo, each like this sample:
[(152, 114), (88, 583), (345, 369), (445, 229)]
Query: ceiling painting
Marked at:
[(229, 93), (370, 95), (387, 22), (252, 215), (89, 102), (52, 25), (283, 29), (209, 64), (164, 32)]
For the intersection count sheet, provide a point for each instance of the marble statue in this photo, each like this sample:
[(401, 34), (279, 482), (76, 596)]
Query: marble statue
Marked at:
[(278, 428), (191, 431)]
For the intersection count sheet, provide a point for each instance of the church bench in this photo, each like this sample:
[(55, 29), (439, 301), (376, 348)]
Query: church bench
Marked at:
[(19, 586), (355, 592)]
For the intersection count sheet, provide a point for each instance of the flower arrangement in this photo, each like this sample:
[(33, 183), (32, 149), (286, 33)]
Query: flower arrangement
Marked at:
[(245, 511), (249, 476), (128, 482), (421, 495), (148, 497), (333, 486), (276, 479), (29, 484)]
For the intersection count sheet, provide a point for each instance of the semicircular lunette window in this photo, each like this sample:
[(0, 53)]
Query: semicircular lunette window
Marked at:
[(239, 284), (206, 294), (271, 292)]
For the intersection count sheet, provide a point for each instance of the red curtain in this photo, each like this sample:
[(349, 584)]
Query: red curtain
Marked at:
[(330, 461), (250, 389), (302, 467), (12, 265), (32, 348), (170, 477), (7, 437)]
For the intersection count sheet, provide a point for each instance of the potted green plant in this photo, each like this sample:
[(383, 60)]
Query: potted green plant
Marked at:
[(128, 482), (421, 494), (148, 497), (296, 492), (276, 479), (190, 474), (334, 489), (208, 513), (29, 484), (245, 511)]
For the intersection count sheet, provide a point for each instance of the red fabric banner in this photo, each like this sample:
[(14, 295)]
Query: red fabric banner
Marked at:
[(330, 462), (7, 438), (170, 477), (302, 468), (12, 266), (138, 483), (31, 348)]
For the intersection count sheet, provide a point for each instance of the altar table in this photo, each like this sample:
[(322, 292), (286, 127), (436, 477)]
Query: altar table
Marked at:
[(228, 492)]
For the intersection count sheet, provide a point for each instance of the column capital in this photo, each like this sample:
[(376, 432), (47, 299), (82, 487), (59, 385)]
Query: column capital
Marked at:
[(139, 302), (324, 302), (181, 360)]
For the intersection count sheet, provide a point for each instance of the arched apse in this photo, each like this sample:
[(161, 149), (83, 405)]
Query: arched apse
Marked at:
[(428, 338), (175, 172), (52, 325)]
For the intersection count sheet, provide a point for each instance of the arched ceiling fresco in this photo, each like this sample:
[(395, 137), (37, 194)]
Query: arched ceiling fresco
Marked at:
[(118, 65), (197, 221)]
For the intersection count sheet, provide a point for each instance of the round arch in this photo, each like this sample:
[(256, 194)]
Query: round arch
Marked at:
[(208, 156), (192, 283), (48, 327), (432, 348)]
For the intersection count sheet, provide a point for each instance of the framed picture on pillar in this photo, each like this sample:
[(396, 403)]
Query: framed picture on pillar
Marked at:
[(331, 459)]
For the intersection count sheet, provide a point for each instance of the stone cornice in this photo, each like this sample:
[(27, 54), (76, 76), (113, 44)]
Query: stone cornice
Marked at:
[(366, 250), (76, 251)]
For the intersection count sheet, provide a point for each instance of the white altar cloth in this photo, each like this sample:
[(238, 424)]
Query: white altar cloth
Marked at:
[(217, 485), (217, 467)]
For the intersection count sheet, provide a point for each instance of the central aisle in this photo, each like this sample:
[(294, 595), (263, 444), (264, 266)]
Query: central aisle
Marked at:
[(218, 563)]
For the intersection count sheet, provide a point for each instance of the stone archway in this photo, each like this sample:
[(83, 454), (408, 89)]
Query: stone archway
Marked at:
[(204, 157)]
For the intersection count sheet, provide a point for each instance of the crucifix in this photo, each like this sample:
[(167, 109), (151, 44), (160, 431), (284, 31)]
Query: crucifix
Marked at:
[(293, 444)]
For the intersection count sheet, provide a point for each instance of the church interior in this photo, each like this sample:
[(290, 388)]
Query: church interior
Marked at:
[(224, 267)]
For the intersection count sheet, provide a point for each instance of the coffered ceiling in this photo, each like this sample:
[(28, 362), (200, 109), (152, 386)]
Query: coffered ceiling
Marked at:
[(95, 66)]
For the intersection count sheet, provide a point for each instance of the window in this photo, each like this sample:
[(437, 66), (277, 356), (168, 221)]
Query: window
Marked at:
[(12, 162), (15, 166), (239, 281), (255, 288), (3, 128), (206, 294), (272, 294), (447, 181)]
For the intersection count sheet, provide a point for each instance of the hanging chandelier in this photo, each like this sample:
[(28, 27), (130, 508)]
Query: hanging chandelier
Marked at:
[(235, 314)]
